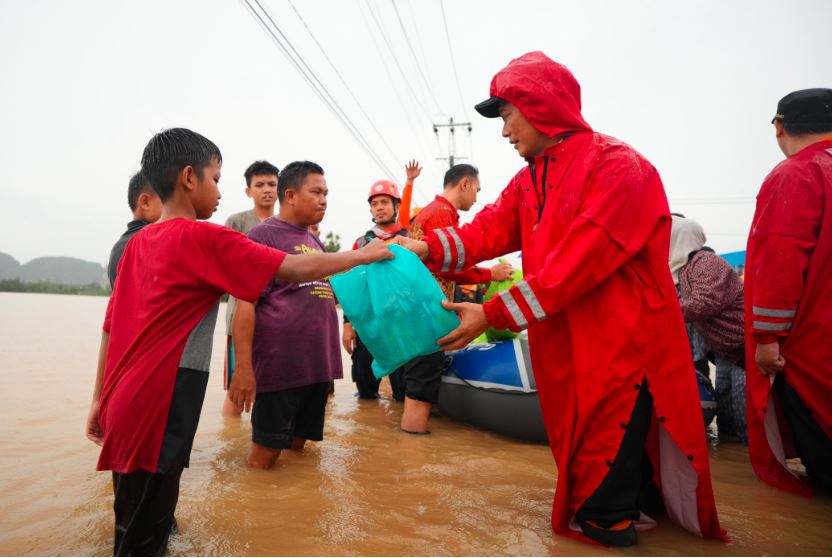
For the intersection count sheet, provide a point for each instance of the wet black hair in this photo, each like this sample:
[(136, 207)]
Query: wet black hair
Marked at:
[(293, 175), (458, 172), (260, 168), (138, 185), (170, 151)]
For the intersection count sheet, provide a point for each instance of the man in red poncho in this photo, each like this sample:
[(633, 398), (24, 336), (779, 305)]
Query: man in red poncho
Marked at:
[(608, 344), (788, 293)]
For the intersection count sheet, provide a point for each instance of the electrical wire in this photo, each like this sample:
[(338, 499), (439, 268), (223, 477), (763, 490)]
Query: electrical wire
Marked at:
[(416, 59), (410, 87), (344, 83), (311, 79), (453, 60), (407, 112)]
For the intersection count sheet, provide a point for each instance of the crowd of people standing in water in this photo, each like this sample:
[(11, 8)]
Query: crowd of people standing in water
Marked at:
[(610, 280)]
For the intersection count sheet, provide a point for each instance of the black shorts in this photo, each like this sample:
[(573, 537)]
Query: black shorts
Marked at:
[(423, 376), (280, 416)]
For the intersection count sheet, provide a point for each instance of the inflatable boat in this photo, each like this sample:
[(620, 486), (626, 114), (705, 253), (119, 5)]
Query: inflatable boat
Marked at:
[(491, 386)]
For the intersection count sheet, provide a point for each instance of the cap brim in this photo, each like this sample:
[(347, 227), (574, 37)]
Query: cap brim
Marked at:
[(490, 108)]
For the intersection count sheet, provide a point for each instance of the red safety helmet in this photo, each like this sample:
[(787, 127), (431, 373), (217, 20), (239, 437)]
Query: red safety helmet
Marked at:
[(384, 188)]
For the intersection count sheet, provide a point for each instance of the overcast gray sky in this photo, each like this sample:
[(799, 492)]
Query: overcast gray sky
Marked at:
[(83, 86)]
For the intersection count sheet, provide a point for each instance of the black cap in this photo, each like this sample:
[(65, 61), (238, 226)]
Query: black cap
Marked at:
[(807, 106), (490, 108)]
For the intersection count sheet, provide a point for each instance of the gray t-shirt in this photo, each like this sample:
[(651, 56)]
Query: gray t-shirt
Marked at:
[(197, 354), (241, 222)]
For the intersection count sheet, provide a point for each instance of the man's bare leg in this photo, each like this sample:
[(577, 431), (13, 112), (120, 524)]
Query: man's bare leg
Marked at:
[(261, 457), (415, 416), (298, 443), (229, 409)]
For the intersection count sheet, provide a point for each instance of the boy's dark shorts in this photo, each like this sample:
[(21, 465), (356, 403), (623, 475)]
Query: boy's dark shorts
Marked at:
[(423, 376), (280, 416)]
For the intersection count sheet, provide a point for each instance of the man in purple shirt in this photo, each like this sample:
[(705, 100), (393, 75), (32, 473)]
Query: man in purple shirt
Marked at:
[(287, 345)]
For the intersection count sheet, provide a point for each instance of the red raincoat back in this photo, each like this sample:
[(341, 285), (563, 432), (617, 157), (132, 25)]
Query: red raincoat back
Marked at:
[(788, 294)]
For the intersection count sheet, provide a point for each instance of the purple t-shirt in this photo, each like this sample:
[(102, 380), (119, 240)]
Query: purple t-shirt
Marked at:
[(296, 339)]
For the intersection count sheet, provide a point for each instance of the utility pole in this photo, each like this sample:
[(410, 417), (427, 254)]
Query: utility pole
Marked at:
[(451, 126)]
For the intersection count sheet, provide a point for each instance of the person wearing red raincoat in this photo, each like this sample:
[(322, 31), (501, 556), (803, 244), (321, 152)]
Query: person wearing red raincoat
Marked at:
[(788, 293), (607, 340)]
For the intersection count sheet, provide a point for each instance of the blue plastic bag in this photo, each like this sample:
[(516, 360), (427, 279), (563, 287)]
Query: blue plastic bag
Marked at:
[(395, 307)]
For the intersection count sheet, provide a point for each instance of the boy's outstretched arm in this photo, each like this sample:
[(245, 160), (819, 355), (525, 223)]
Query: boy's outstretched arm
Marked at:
[(94, 432), (308, 267), (243, 385)]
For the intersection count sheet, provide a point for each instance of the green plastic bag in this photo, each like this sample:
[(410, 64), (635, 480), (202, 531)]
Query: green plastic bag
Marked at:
[(493, 289), (395, 307)]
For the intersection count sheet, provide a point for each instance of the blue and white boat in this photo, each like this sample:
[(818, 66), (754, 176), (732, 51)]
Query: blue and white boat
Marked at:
[(491, 385)]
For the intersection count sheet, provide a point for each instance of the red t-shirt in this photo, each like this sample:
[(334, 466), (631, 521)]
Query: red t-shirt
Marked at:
[(171, 274)]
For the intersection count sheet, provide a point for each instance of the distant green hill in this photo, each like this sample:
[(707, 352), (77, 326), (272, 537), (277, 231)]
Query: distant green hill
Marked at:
[(66, 271)]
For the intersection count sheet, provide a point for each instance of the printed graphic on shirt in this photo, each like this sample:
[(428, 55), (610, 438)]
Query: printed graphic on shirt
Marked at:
[(321, 288)]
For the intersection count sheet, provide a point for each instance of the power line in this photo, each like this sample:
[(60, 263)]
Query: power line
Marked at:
[(418, 34), (415, 58), (407, 113), (311, 79), (453, 60), (344, 83), (410, 87)]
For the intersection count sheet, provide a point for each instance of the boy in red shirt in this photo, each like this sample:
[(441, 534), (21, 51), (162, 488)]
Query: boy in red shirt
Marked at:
[(146, 406)]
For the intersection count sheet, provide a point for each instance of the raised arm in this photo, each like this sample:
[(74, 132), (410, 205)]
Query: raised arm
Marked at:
[(413, 171)]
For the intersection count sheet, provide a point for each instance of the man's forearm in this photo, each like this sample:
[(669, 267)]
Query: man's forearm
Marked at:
[(242, 329), (308, 267)]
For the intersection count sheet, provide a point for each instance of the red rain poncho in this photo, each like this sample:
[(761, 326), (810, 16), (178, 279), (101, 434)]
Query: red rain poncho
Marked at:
[(788, 294), (592, 220)]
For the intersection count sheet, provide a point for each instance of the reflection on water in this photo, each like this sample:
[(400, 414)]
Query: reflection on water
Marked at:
[(366, 489)]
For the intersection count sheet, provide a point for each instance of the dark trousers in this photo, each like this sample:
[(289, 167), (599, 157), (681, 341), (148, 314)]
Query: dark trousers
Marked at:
[(627, 487), (144, 501), (144, 506), (812, 444), (365, 380)]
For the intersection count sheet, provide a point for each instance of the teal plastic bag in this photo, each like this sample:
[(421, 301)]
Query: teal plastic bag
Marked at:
[(493, 289), (395, 307)]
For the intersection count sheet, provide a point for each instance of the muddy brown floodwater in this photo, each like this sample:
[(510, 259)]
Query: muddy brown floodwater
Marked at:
[(366, 489)]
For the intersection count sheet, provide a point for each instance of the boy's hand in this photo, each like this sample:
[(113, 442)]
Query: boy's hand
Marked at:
[(349, 338), (768, 358), (418, 247), (94, 431), (375, 251), (243, 388), (501, 272), (413, 170), (473, 324)]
